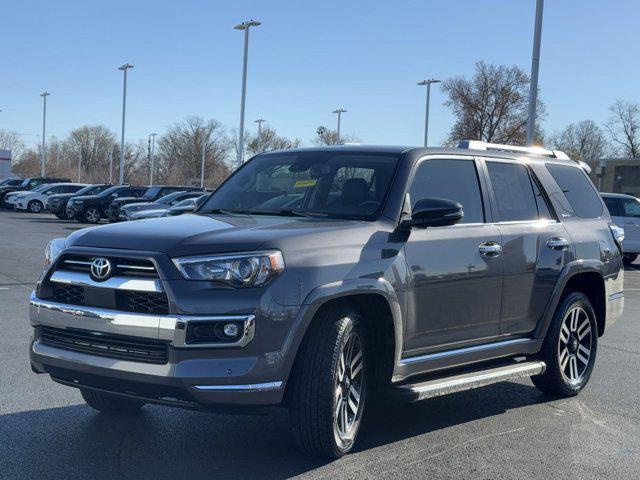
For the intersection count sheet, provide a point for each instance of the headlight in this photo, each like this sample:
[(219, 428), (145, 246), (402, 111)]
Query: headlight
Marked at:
[(53, 250), (239, 270), (618, 234)]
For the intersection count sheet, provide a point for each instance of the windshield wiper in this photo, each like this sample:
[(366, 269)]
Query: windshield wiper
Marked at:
[(224, 211)]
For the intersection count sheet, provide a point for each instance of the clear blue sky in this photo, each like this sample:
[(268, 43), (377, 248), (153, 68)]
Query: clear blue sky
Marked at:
[(305, 60)]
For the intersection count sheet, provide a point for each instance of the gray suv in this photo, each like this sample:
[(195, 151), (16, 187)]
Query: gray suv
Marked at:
[(326, 279)]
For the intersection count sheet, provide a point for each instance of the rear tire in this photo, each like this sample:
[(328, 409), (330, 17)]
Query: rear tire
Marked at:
[(91, 215), (327, 388), (35, 206), (570, 348), (629, 258), (110, 404)]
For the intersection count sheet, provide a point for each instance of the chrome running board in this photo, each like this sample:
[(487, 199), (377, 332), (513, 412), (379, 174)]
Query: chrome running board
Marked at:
[(468, 380)]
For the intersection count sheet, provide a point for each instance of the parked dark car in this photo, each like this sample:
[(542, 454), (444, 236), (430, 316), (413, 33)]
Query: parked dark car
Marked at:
[(405, 273), (162, 203), (10, 182), (91, 208), (152, 194), (185, 206), (57, 204), (27, 184)]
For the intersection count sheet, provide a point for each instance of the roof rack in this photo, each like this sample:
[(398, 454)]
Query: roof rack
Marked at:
[(538, 151)]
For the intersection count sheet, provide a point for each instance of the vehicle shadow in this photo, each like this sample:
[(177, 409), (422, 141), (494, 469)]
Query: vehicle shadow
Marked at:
[(75, 442)]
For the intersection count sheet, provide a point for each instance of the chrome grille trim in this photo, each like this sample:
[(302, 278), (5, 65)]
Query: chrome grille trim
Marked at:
[(116, 283)]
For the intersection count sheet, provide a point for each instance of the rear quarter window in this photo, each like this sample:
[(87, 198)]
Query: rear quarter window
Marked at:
[(578, 190)]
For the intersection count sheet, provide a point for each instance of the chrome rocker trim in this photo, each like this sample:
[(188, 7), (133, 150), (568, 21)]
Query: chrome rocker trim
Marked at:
[(163, 327), (462, 351), (114, 283)]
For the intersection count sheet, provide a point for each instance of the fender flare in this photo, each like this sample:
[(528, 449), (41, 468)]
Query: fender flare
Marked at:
[(569, 271), (322, 294)]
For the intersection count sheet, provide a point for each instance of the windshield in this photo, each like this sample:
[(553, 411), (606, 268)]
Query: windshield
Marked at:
[(151, 193), (109, 191), (167, 199), (189, 202), (41, 188), (321, 183)]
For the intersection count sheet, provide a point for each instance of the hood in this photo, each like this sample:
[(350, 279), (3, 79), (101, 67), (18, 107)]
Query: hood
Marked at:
[(9, 188), (191, 234), (86, 197), (148, 213), (124, 200), (130, 207), (15, 193)]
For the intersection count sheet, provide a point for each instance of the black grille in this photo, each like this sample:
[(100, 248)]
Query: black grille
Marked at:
[(115, 346), (72, 294), (143, 302)]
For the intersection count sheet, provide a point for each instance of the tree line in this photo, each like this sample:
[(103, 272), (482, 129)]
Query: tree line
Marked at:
[(491, 105)]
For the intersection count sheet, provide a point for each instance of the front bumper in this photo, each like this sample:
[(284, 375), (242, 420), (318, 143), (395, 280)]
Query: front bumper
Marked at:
[(195, 376), (113, 214), (20, 205), (73, 210)]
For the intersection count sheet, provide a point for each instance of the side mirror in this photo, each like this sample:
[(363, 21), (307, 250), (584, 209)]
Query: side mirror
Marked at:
[(435, 212)]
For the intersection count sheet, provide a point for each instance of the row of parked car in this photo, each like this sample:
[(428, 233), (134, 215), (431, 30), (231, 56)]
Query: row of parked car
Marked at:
[(90, 203)]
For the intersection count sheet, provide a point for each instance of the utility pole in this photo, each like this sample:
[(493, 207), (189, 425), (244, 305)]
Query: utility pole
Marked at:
[(339, 111), (535, 63), (244, 26), (204, 151), (124, 69), (43, 154), (79, 163), (426, 110), (152, 141), (259, 122)]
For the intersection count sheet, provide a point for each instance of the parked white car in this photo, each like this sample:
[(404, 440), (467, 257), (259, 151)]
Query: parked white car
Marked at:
[(625, 212), (35, 200)]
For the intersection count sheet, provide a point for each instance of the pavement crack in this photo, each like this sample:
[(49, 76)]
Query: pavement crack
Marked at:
[(618, 349)]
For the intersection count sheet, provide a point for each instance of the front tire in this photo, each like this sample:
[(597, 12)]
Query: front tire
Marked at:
[(110, 404), (570, 348), (92, 215), (328, 384), (35, 206)]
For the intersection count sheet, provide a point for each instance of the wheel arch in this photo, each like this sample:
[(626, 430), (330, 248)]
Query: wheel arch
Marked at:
[(586, 277)]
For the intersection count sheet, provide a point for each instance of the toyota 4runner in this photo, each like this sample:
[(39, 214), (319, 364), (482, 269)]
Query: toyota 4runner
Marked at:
[(324, 279)]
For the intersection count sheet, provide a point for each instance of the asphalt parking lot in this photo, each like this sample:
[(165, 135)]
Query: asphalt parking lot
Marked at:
[(508, 430)]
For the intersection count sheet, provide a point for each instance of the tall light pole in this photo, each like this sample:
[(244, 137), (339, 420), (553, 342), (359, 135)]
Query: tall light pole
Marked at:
[(339, 111), (124, 69), (244, 26), (204, 151), (259, 122), (79, 163), (111, 164), (535, 63), (43, 154), (426, 109), (152, 139)]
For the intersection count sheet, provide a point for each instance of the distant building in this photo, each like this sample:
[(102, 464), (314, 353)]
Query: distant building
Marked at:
[(5, 163), (619, 175)]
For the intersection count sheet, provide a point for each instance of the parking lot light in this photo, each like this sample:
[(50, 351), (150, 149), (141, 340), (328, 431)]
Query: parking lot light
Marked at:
[(124, 69), (43, 153), (244, 26), (259, 121), (339, 111), (426, 112)]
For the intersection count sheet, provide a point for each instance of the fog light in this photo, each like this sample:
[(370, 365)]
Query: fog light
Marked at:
[(230, 330)]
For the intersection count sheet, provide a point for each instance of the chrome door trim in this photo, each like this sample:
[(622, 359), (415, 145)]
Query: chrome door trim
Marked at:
[(115, 283), (462, 351)]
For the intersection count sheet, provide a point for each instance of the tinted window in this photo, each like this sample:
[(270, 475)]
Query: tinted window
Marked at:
[(513, 190), (612, 205), (630, 207), (578, 190), (451, 179)]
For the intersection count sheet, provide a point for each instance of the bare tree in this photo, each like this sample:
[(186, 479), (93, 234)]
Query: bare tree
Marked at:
[(491, 106), (582, 140), (269, 140), (326, 136), (91, 145), (179, 154), (11, 141), (624, 127)]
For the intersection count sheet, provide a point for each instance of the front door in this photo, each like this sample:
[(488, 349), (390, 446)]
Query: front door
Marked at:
[(455, 272), (534, 245)]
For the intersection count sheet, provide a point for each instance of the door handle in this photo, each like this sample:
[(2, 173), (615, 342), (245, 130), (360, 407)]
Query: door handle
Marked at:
[(558, 243), (490, 249)]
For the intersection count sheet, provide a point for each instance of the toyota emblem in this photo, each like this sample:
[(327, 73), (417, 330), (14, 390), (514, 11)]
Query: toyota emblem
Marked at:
[(101, 268)]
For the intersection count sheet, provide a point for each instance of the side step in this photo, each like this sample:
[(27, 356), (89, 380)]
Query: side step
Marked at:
[(468, 380)]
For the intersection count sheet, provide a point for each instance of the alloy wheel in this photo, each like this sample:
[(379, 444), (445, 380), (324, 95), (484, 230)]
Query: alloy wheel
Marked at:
[(575, 344), (35, 207), (349, 390), (93, 215)]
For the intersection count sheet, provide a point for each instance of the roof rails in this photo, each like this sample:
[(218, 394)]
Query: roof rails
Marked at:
[(538, 151)]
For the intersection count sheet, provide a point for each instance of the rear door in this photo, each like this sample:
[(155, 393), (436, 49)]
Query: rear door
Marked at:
[(534, 244)]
